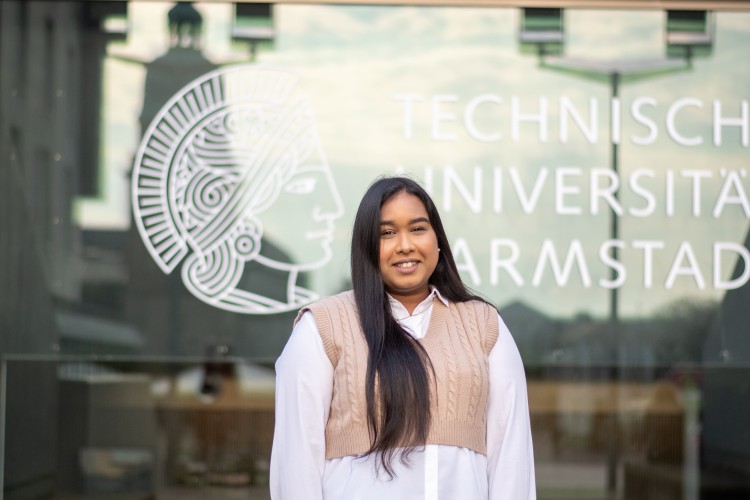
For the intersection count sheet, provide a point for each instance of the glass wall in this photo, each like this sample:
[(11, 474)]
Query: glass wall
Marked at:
[(178, 179)]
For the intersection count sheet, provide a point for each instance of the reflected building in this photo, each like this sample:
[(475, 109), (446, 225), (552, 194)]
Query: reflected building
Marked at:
[(535, 333), (171, 320), (99, 298), (50, 55), (725, 440)]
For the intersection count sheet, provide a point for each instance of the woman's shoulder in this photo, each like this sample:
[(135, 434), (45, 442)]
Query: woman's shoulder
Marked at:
[(326, 304), (346, 297), (479, 305), (483, 317)]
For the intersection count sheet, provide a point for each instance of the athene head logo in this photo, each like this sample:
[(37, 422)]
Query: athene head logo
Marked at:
[(224, 155)]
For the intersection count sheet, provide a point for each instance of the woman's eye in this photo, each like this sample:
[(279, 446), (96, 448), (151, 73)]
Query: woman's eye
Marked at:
[(418, 228), (301, 186), (387, 232)]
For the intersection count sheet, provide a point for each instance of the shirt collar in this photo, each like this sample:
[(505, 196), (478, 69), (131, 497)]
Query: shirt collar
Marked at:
[(399, 311), (439, 295)]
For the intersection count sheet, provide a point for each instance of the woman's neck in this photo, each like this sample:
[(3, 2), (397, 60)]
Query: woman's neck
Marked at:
[(411, 301)]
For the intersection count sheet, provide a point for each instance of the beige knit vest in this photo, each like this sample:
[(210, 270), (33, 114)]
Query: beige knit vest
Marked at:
[(458, 341)]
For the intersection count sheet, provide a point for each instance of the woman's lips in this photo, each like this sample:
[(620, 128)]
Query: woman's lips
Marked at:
[(406, 267)]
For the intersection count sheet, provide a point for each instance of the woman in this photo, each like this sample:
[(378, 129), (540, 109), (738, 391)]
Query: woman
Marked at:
[(408, 387)]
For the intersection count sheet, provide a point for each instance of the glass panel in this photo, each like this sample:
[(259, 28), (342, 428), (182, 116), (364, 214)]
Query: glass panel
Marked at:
[(180, 178), (138, 428)]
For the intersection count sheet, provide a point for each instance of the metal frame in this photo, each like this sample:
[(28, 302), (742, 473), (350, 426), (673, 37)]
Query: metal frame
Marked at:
[(720, 5)]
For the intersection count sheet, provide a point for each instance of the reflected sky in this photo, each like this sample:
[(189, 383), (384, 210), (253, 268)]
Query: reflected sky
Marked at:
[(354, 60)]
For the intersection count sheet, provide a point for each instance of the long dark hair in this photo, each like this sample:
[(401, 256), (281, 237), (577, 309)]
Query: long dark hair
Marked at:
[(398, 416)]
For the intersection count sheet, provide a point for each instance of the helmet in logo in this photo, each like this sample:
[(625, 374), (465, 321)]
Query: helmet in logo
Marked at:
[(228, 157)]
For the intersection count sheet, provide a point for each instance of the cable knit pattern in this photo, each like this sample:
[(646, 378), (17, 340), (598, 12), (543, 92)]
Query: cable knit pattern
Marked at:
[(451, 379), (468, 318), (350, 362), (458, 341)]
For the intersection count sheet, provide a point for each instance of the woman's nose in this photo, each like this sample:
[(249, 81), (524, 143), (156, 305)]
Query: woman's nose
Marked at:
[(405, 245)]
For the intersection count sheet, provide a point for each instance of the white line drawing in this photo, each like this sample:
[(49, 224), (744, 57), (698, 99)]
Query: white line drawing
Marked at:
[(216, 160)]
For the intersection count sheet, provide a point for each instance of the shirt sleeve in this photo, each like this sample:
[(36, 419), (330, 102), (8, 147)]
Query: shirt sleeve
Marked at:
[(510, 455), (304, 387)]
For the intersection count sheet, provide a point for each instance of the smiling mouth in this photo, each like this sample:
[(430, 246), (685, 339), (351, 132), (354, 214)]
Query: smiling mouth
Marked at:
[(406, 265)]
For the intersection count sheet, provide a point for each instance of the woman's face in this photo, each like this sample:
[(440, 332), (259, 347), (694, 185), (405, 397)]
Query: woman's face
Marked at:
[(408, 248)]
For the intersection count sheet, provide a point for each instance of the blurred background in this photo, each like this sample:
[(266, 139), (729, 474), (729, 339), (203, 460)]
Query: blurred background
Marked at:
[(177, 179)]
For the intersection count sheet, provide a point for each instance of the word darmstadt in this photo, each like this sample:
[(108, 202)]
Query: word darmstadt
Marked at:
[(572, 264)]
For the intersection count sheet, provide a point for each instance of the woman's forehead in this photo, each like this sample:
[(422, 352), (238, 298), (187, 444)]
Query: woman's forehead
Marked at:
[(402, 205)]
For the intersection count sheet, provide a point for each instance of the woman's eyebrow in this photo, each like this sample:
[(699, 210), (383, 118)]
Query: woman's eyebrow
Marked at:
[(413, 221)]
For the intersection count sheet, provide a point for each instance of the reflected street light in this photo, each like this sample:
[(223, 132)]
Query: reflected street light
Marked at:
[(254, 24), (688, 34)]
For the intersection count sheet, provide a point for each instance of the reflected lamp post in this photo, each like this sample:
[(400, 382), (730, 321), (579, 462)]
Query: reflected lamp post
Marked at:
[(688, 34), (254, 25)]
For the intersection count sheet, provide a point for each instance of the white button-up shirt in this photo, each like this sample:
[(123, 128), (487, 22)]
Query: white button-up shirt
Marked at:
[(304, 387)]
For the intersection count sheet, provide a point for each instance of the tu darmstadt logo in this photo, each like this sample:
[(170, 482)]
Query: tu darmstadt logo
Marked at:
[(232, 152)]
